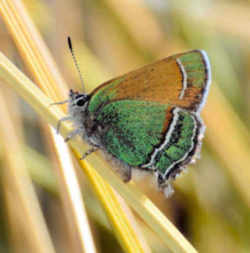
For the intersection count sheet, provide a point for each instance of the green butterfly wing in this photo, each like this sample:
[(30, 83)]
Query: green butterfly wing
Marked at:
[(133, 129)]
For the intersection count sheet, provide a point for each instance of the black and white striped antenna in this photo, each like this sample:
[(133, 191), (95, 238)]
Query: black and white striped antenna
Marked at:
[(75, 61)]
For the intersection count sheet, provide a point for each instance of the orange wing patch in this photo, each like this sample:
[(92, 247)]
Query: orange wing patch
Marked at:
[(179, 80)]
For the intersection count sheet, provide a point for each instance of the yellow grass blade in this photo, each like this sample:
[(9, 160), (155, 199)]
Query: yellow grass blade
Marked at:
[(19, 191)]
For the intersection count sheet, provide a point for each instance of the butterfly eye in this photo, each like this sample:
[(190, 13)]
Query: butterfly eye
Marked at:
[(80, 102)]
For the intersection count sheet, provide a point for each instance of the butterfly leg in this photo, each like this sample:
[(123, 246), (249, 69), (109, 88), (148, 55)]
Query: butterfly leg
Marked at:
[(127, 175), (60, 102), (72, 134), (125, 172), (165, 185), (88, 152), (60, 121)]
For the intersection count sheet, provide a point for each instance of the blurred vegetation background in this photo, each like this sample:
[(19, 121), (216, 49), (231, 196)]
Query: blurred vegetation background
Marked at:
[(211, 204)]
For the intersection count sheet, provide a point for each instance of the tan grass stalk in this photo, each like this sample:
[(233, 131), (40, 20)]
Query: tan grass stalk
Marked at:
[(147, 24), (20, 195), (233, 139), (77, 214), (235, 20)]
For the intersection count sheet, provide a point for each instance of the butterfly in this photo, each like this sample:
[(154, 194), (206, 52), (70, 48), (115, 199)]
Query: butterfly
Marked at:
[(148, 119)]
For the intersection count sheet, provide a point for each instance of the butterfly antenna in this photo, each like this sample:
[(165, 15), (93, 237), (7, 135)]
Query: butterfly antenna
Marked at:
[(75, 61)]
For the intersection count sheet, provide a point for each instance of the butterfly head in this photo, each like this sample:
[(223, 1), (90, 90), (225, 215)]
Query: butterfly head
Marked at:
[(77, 102)]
